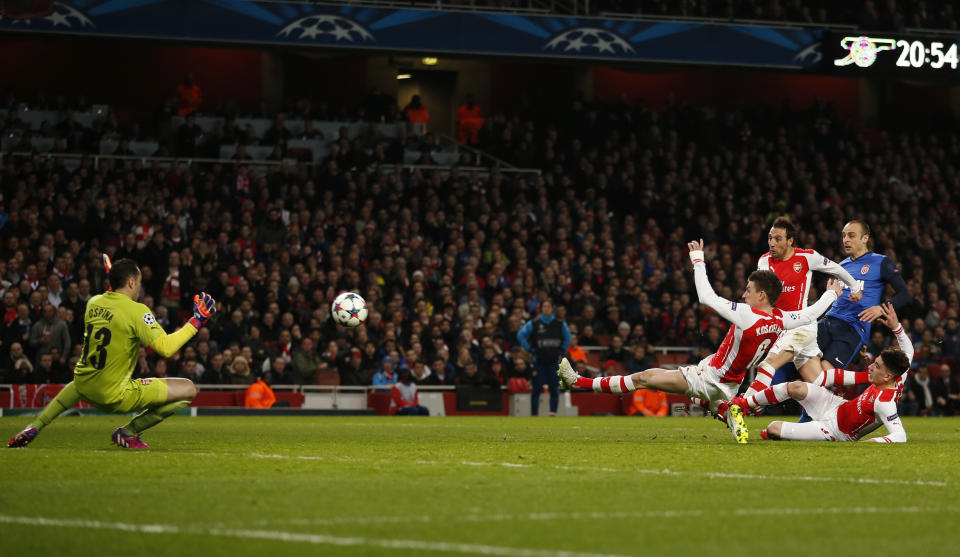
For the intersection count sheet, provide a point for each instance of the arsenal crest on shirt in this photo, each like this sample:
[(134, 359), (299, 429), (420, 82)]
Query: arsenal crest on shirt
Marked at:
[(865, 269), (797, 267)]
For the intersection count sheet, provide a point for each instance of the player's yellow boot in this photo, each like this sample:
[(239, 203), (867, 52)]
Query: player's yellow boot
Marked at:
[(736, 424)]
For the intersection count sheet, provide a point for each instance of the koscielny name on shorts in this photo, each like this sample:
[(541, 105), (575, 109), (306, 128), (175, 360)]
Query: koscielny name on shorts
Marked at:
[(100, 312)]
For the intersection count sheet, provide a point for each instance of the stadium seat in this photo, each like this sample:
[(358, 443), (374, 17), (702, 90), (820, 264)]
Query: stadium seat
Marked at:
[(676, 358), (37, 117), (256, 152), (304, 154), (593, 359), (328, 377), (330, 130), (379, 402), (206, 123), (518, 385), (293, 126), (261, 125), (316, 148)]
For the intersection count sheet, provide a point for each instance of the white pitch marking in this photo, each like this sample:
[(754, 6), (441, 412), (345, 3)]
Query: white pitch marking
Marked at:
[(316, 539), (661, 472), (598, 515)]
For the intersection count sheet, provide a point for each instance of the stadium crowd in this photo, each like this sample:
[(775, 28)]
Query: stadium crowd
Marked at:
[(864, 14), (884, 15), (453, 263)]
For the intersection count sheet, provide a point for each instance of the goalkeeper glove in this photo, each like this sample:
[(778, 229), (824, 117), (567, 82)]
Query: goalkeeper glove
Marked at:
[(107, 265), (203, 307)]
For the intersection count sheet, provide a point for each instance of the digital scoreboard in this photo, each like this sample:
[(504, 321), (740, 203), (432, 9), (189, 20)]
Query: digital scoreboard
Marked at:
[(878, 53)]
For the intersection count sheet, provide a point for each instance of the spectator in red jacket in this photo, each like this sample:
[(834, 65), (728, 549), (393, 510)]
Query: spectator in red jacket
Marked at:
[(404, 398)]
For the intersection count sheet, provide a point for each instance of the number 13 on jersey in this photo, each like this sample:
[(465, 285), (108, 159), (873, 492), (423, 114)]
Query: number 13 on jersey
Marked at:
[(97, 359)]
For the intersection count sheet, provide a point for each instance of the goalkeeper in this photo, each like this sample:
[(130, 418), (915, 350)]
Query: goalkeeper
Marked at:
[(116, 326)]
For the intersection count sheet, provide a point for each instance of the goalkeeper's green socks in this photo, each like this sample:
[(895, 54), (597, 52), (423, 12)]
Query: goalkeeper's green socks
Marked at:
[(66, 399), (153, 416)]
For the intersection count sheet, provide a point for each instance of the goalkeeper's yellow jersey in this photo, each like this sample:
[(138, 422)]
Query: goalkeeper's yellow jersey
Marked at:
[(116, 326)]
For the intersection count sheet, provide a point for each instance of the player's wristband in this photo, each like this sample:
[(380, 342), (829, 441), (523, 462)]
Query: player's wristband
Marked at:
[(696, 256), (197, 323), (899, 329)]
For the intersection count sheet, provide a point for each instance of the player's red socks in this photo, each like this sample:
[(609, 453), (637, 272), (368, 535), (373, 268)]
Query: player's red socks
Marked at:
[(583, 383), (770, 395), (841, 377), (722, 410), (615, 384), (763, 379)]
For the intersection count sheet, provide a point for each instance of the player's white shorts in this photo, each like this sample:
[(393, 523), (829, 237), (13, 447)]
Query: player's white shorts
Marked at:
[(802, 341), (822, 406), (703, 382)]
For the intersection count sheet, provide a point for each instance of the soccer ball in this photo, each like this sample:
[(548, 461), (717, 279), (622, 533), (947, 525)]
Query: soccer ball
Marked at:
[(349, 310)]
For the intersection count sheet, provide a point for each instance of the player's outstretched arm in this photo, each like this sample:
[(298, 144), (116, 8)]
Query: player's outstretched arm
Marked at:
[(705, 293), (823, 264), (203, 307), (886, 412), (889, 318), (794, 319), (901, 297)]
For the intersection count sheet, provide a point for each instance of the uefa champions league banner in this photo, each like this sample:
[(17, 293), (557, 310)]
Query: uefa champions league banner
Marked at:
[(423, 31)]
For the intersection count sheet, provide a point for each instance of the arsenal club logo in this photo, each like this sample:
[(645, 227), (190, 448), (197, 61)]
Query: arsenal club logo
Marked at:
[(797, 267), (865, 269)]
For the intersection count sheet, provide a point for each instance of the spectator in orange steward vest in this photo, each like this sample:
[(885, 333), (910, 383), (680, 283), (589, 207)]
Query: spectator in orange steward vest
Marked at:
[(418, 115), (469, 121), (259, 393), (575, 353), (189, 96), (648, 403)]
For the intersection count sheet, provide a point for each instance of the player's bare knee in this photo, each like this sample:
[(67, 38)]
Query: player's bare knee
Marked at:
[(773, 430), (181, 389), (191, 390), (777, 360), (797, 390), (640, 379)]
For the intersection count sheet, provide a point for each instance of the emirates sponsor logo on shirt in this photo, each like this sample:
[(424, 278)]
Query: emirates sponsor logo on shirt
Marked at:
[(865, 269), (797, 267)]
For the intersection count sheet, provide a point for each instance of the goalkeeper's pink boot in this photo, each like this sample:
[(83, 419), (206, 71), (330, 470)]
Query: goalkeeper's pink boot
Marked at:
[(123, 439), (23, 438)]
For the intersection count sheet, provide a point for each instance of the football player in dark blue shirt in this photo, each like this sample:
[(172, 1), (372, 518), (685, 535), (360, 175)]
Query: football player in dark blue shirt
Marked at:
[(846, 327)]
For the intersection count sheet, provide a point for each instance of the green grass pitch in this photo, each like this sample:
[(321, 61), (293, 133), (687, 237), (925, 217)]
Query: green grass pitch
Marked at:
[(474, 486)]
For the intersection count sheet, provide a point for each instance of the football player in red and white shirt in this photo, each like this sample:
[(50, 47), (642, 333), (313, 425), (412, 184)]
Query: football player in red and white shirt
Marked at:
[(755, 326), (837, 419), (794, 267)]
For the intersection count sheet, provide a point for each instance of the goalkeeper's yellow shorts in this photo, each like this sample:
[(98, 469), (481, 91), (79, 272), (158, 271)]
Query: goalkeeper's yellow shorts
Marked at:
[(138, 394)]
